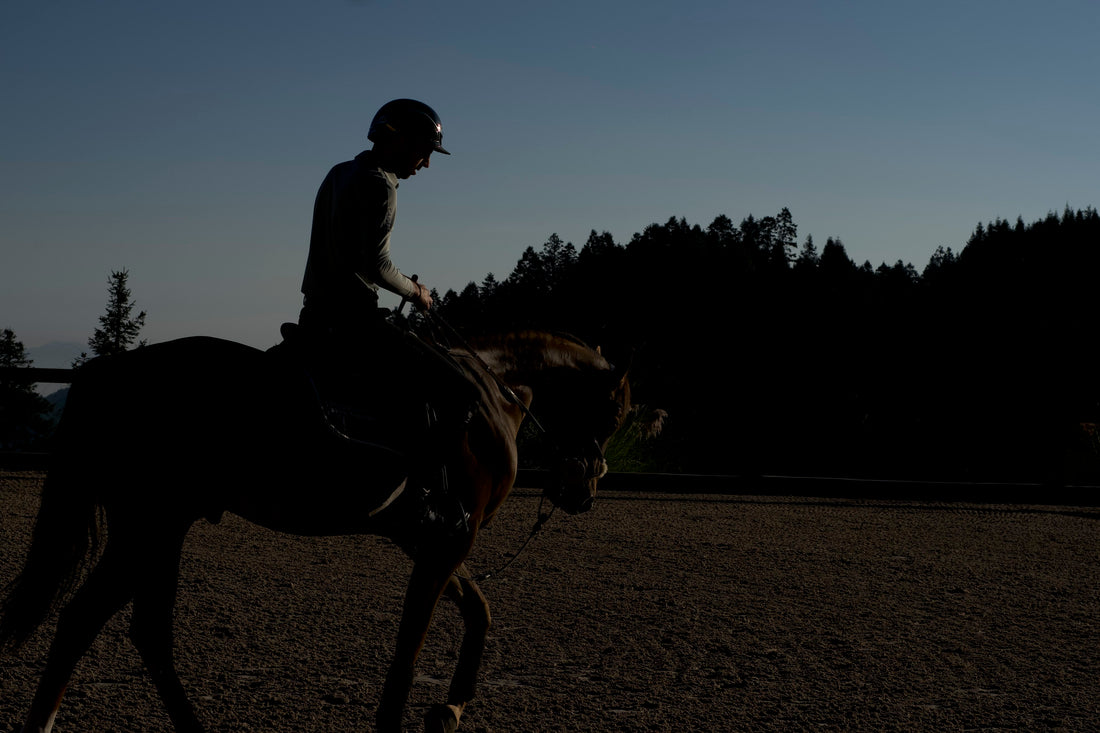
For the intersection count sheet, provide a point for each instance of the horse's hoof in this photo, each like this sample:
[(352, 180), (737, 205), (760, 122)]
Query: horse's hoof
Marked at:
[(442, 719)]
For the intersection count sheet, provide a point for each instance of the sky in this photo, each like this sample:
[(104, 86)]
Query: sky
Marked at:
[(185, 142)]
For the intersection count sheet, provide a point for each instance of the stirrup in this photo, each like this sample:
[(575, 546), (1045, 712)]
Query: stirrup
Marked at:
[(441, 510), (454, 523)]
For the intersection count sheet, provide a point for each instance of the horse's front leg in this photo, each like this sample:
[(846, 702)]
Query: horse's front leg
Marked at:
[(432, 569), (475, 615)]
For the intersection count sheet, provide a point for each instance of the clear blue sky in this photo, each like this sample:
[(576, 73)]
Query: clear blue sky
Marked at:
[(186, 141)]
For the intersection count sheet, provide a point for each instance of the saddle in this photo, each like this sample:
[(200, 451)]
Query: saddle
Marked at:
[(344, 406), (350, 407)]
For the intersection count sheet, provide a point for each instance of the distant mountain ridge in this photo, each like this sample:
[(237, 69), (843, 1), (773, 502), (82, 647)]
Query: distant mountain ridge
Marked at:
[(57, 401), (56, 354)]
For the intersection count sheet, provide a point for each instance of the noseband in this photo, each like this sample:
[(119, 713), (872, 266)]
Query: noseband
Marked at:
[(590, 468)]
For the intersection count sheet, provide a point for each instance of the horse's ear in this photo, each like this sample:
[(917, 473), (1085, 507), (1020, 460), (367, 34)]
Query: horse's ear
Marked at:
[(620, 371), (598, 351)]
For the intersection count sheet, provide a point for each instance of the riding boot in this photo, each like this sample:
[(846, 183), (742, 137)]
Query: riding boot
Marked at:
[(440, 508)]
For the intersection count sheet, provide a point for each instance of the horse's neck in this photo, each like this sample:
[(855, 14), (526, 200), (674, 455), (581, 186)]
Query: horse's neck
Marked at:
[(522, 361)]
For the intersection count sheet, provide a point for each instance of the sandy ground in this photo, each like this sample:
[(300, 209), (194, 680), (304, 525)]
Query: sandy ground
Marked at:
[(651, 613)]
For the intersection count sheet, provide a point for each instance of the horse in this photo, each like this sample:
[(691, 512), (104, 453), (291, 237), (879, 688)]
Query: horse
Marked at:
[(155, 439)]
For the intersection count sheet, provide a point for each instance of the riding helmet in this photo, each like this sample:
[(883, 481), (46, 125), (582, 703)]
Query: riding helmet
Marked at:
[(407, 118)]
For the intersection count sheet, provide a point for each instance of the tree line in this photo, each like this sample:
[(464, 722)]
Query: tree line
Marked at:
[(26, 418), (771, 356)]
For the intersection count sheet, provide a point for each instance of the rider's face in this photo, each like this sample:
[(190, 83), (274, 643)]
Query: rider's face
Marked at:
[(412, 159)]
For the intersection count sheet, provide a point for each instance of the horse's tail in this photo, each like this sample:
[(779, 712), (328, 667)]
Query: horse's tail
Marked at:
[(67, 534)]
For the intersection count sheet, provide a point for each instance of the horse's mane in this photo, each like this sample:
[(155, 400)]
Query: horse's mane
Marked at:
[(541, 349)]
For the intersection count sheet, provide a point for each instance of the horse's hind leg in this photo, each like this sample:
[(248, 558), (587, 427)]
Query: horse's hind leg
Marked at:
[(151, 628), (476, 619), (106, 590)]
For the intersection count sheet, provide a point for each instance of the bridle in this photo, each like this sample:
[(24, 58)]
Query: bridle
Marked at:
[(437, 321), (594, 464), (592, 469)]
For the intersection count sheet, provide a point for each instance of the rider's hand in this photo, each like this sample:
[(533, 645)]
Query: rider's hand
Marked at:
[(423, 299)]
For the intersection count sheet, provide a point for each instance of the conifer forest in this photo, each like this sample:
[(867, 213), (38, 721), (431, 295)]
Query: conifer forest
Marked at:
[(774, 356)]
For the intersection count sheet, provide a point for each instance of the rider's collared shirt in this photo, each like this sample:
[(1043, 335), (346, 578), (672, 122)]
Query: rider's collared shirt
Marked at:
[(349, 245)]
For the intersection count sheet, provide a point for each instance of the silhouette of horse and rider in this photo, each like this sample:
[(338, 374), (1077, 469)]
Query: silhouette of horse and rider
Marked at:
[(154, 439)]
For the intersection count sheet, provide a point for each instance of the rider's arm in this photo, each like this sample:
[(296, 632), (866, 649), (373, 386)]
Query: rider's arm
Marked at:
[(383, 273), (371, 220)]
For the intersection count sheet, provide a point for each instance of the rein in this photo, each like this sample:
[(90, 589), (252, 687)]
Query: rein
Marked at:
[(436, 321), (544, 517)]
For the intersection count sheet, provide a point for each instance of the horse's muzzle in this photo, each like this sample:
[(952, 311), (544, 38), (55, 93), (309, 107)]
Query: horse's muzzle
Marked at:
[(573, 485)]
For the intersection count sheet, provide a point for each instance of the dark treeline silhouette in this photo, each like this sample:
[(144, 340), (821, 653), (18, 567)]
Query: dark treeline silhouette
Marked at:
[(27, 421), (774, 357), (24, 414)]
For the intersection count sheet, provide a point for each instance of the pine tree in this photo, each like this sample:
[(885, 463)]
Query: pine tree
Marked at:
[(24, 414), (808, 258), (489, 286), (118, 327), (785, 237)]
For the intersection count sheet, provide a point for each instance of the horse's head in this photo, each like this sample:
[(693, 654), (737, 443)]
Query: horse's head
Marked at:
[(575, 395), (580, 422)]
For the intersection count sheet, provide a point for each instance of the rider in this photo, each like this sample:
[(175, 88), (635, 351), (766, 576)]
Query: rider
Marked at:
[(349, 259)]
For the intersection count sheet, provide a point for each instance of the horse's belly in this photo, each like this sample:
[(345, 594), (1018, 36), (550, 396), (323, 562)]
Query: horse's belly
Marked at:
[(322, 502)]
